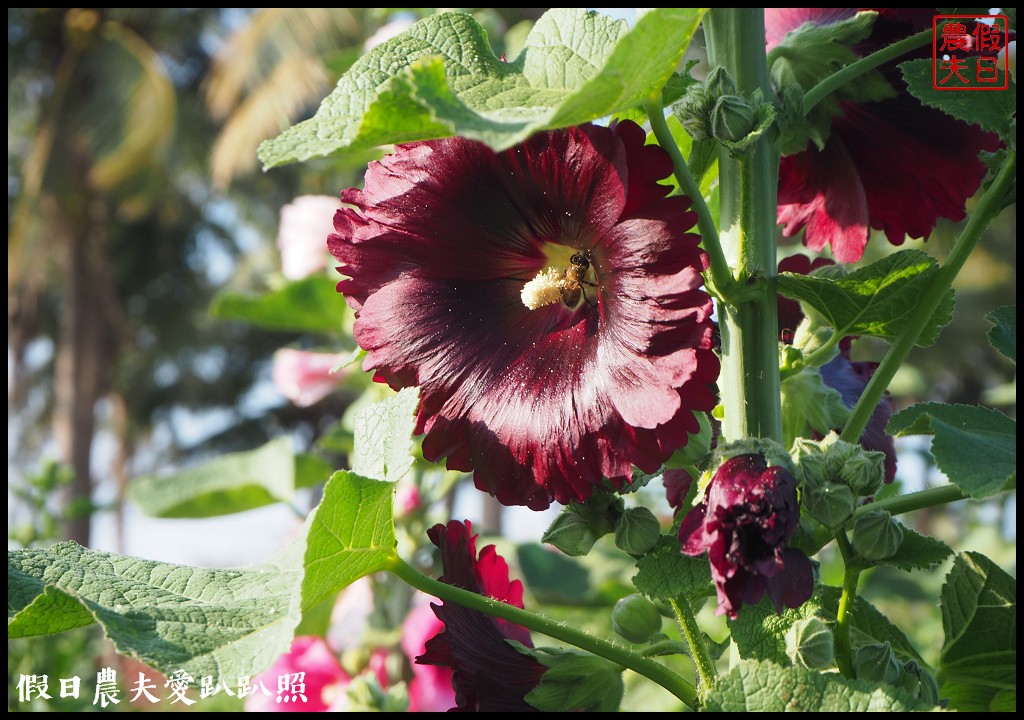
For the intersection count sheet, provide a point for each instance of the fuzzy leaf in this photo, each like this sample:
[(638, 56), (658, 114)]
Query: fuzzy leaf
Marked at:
[(308, 305), (760, 633), (974, 446), (762, 686), (918, 552), (876, 300), (441, 78), (665, 573), (868, 625), (223, 623), (230, 483), (978, 664), (383, 437), (990, 109), (352, 534), (1004, 335)]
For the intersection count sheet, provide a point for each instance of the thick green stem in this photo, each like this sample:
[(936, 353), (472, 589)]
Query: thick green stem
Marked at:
[(988, 207), (749, 382), (618, 654), (833, 82), (851, 578), (915, 501), (706, 669), (721, 277)]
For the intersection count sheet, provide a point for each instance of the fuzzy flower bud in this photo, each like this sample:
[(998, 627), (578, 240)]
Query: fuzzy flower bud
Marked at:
[(810, 644), (636, 619), (876, 536)]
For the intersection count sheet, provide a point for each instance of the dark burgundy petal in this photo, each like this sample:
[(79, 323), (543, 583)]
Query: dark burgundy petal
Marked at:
[(677, 487), (749, 513), (795, 584), (540, 404), (893, 165), (489, 675)]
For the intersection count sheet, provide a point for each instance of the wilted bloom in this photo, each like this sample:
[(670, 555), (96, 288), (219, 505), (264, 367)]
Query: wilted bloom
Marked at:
[(304, 225), (895, 164), (305, 377), (489, 673), (324, 680), (545, 299), (748, 514), (430, 689)]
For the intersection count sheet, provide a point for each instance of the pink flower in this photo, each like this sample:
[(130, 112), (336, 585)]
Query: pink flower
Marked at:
[(305, 377), (324, 679), (430, 689), (302, 237)]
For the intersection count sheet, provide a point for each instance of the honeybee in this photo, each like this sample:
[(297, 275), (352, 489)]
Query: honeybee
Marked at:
[(573, 291)]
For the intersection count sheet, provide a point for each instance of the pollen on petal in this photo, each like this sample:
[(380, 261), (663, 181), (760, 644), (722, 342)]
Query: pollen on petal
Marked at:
[(545, 289)]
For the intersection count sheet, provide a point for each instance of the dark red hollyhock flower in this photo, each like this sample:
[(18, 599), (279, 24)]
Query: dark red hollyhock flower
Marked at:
[(748, 514), (449, 248), (894, 165), (840, 373), (489, 675)]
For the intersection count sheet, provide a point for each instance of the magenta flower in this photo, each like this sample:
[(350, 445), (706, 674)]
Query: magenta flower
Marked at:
[(489, 674), (748, 514), (305, 377), (300, 237), (324, 679), (893, 165), (546, 300)]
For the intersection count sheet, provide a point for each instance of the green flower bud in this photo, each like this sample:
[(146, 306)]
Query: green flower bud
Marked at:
[(694, 112), (637, 531), (864, 471), (877, 662), (929, 691), (876, 536), (570, 533), (719, 82), (732, 118), (831, 504), (636, 619), (810, 644)]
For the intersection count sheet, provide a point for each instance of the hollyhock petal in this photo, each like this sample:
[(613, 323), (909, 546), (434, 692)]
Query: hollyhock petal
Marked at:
[(305, 377), (430, 689), (795, 584), (324, 678), (489, 675), (749, 513), (677, 487), (305, 223), (543, 403), (894, 165)]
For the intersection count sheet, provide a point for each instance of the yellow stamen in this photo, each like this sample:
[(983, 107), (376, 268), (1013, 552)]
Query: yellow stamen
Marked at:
[(544, 289)]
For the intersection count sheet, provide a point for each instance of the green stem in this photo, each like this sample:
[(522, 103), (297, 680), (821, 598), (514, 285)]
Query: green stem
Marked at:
[(748, 190), (721, 277), (618, 654), (833, 82), (706, 669), (915, 500), (988, 207), (851, 577)]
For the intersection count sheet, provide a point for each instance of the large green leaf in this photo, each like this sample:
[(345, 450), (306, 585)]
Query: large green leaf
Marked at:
[(308, 305), (760, 633), (223, 623), (974, 446), (230, 483), (352, 534), (763, 686), (665, 573), (441, 78), (991, 109), (875, 300), (978, 664)]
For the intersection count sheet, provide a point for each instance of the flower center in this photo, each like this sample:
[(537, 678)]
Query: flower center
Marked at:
[(569, 278)]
